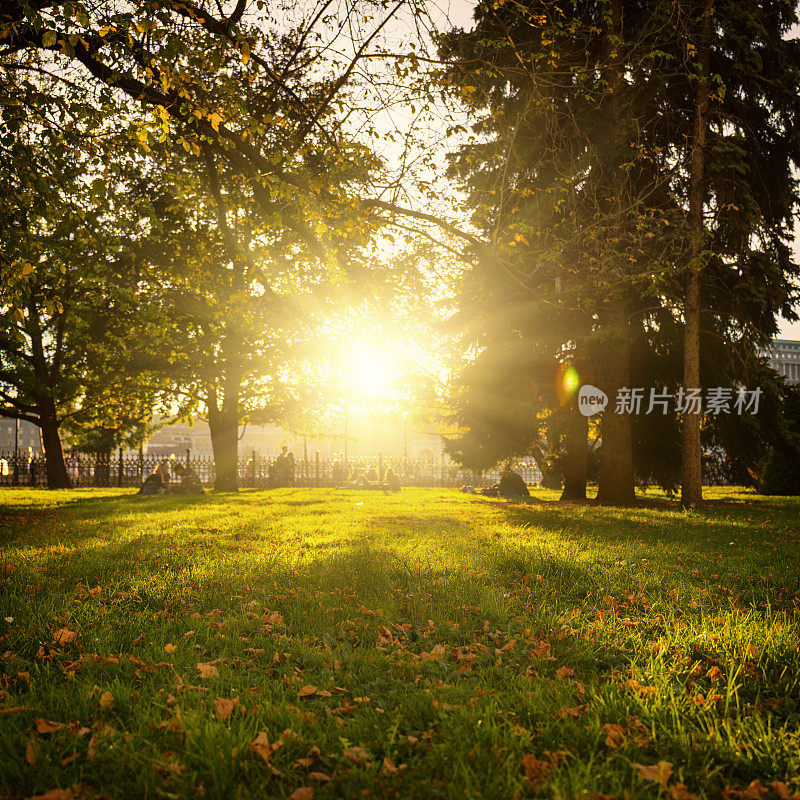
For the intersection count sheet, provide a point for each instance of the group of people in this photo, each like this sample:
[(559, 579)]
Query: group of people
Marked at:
[(160, 480), (390, 482), (282, 470)]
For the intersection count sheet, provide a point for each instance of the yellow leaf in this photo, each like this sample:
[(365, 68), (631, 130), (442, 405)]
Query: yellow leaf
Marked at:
[(245, 52), (207, 670), (106, 701)]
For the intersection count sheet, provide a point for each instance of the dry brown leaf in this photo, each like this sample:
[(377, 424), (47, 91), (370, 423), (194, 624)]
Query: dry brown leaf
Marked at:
[(46, 726), (261, 747), (753, 791), (657, 773), (12, 710), (225, 707), (106, 701), (207, 670), (30, 752), (615, 734), (436, 653), (389, 767), (307, 691), (54, 794), (64, 636), (564, 672), (565, 712), (536, 771), (302, 793), (783, 791), (356, 755), (321, 777), (680, 792), (170, 648)]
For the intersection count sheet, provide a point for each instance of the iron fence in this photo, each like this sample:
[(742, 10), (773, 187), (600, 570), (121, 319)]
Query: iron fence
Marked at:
[(256, 471)]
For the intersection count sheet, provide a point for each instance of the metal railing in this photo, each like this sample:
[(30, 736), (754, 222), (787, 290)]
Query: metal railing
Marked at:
[(256, 471)]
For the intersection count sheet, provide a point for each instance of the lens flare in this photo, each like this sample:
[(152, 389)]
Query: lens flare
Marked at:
[(567, 383)]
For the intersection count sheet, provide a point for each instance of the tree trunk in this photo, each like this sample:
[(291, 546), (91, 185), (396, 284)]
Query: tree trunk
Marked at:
[(224, 428), (576, 461), (691, 461), (616, 486), (577, 455), (54, 464)]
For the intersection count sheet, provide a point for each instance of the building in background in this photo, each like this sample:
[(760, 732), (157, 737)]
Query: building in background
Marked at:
[(784, 357), (365, 437), (29, 436)]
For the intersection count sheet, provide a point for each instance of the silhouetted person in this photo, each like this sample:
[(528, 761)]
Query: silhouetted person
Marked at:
[(392, 481), (283, 467), (189, 481), (512, 485)]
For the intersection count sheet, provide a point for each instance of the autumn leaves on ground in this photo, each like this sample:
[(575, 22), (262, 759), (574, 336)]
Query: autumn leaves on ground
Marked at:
[(334, 644)]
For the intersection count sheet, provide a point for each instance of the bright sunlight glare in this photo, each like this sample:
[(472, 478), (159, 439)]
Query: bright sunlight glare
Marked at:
[(372, 374)]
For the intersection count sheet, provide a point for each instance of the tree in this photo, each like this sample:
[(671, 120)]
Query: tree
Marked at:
[(261, 108), (729, 117), (62, 258), (565, 187)]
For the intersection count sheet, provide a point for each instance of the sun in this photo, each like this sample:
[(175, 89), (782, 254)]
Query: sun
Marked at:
[(372, 374)]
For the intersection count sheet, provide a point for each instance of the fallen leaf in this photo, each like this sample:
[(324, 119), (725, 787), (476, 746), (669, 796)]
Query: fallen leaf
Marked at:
[(207, 670), (356, 755), (615, 734), (536, 771), (753, 791), (12, 710), (565, 712), (106, 701), (435, 654), (54, 794), (658, 773), (783, 791), (30, 752), (307, 691), (680, 792), (564, 672), (46, 726), (261, 747), (64, 636), (225, 707), (170, 648), (319, 776), (302, 793)]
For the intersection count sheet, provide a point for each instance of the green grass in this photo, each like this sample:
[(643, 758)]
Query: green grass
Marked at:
[(439, 624)]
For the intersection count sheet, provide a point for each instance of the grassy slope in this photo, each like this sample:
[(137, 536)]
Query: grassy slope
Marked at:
[(681, 630)]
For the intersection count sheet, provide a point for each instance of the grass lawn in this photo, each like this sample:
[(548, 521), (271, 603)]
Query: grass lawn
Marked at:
[(430, 644)]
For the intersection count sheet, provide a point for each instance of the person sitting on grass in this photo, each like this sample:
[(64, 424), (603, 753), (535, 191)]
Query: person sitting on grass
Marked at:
[(158, 481), (190, 482), (392, 481), (512, 484)]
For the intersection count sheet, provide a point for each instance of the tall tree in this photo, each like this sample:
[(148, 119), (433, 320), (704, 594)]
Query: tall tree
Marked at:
[(730, 119), (563, 184)]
